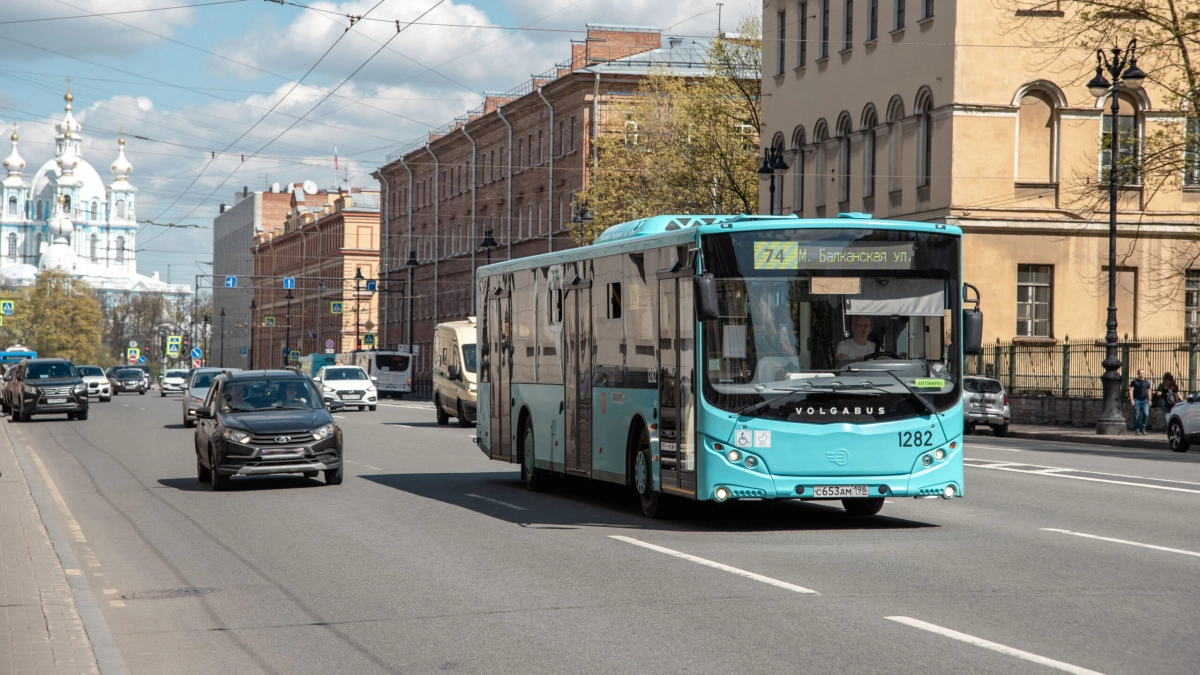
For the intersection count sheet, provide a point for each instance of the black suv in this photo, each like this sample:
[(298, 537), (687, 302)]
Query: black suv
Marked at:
[(46, 387), (266, 421)]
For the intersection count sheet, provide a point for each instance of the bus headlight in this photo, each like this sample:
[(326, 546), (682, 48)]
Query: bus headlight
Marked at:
[(721, 493), (926, 460), (734, 455), (940, 454), (948, 492), (751, 462)]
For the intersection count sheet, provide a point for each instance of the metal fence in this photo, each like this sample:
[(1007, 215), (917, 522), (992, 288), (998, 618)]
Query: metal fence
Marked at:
[(1073, 368)]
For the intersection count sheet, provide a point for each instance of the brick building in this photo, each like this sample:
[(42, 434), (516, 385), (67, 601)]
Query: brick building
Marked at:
[(510, 168), (324, 241)]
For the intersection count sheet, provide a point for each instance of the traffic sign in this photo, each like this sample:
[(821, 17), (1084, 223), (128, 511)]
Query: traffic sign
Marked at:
[(172, 350), (289, 283), (329, 344), (328, 351), (141, 360), (369, 339), (335, 307), (295, 355), (132, 344), (132, 354), (174, 339), (244, 351), (196, 363), (197, 352), (369, 325), (372, 285), (269, 321), (230, 282), (6, 307), (132, 359)]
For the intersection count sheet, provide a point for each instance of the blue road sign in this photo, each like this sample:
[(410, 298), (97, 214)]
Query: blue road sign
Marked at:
[(289, 283), (230, 282), (243, 351), (197, 353), (372, 285), (141, 360), (6, 307)]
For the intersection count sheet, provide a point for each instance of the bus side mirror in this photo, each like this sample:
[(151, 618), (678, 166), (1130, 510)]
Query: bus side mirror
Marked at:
[(706, 297), (972, 332)]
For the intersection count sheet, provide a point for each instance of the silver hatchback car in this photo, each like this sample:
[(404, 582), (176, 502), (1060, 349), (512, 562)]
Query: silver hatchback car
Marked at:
[(985, 403)]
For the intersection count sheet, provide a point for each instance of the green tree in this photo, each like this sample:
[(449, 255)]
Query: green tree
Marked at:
[(59, 316), (683, 145)]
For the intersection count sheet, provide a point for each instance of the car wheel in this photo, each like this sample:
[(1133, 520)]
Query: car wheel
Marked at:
[(25, 415), (71, 417), (141, 393), (105, 400), (16, 415), (862, 507), (333, 476), (442, 418), (4, 407), (82, 416), (968, 430), (202, 473), (372, 408), (362, 408), (311, 474), (1176, 438), (398, 397), (1000, 431), (650, 500), (462, 417), (219, 483), (162, 394), (535, 479), (188, 424), (116, 393)]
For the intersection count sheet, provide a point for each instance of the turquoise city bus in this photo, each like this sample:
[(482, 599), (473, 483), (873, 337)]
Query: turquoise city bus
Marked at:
[(733, 357)]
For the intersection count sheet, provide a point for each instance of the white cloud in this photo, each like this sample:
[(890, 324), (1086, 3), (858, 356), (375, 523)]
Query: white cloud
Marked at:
[(88, 36)]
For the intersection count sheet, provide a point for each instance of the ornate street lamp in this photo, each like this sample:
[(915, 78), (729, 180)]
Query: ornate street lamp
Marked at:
[(358, 279), (1123, 69), (772, 163)]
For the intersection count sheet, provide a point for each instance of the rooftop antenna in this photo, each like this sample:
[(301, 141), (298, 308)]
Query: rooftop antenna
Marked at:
[(720, 5)]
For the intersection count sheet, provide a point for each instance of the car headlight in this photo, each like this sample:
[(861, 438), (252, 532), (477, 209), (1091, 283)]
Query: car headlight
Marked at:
[(237, 436), (371, 389), (328, 389), (472, 387), (197, 400), (321, 433), (30, 390), (82, 386)]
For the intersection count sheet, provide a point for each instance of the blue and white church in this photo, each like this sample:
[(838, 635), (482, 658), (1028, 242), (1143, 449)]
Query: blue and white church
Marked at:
[(68, 219)]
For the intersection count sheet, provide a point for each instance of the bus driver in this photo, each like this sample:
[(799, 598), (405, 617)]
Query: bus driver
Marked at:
[(857, 346)]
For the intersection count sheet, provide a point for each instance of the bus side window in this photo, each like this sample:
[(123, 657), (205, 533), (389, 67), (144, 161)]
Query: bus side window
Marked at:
[(614, 301)]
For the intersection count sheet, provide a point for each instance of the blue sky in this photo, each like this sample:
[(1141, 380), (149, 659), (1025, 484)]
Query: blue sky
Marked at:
[(149, 73)]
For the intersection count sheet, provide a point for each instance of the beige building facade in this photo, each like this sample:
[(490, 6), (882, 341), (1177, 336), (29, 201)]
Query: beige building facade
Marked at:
[(945, 112)]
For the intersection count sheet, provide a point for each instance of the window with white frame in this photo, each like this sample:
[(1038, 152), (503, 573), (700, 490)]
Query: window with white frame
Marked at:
[(1035, 293), (802, 36), (1128, 145), (847, 24), (924, 141), (872, 20), (926, 9), (898, 19), (868, 155), (819, 168), (780, 42), (824, 29)]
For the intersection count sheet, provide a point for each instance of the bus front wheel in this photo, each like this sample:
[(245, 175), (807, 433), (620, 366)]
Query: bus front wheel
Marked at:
[(533, 477), (862, 507), (643, 480)]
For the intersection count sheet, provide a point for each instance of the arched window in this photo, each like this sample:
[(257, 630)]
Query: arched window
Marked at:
[(12, 206), (924, 111), (869, 121), (844, 129), (94, 248), (120, 246), (95, 212), (37, 211), (1129, 128), (895, 114), (820, 135), (1036, 137), (121, 208), (67, 206), (12, 246), (798, 170)]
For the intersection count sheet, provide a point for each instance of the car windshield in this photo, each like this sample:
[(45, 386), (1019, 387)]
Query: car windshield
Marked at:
[(129, 374), (270, 394), (203, 380), (818, 319), (344, 374), (90, 371), (46, 371), (176, 373), (468, 358), (978, 386)]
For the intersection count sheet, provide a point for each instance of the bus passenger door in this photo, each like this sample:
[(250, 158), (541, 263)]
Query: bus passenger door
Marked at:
[(577, 338), (676, 356), (500, 374)]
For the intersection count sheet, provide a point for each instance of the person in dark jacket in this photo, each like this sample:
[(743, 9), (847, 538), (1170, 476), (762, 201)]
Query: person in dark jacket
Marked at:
[(1139, 398), (1167, 394)]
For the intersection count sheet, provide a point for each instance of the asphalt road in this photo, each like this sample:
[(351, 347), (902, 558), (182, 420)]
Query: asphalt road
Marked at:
[(431, 558)]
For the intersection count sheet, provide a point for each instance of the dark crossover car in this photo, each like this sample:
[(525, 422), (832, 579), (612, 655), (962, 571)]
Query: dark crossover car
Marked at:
[(45, 387), (129, 380), (261, 422)]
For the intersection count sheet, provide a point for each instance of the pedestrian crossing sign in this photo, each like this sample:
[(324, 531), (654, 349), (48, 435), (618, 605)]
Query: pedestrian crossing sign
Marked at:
[(335, 307), (269, 321), (295, 355), (368, 339)]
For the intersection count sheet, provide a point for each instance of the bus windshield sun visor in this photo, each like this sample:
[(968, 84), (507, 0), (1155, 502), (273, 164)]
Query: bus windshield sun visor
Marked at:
[(898, 297)]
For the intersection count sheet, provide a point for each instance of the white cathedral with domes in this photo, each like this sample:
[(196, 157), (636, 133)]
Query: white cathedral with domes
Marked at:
[(68, 219)]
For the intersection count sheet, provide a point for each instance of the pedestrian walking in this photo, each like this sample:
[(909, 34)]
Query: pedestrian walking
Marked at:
[(1139, 398), (1167, 394)]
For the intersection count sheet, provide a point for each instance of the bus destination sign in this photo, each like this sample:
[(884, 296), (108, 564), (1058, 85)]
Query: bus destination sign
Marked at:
[(792, 255)]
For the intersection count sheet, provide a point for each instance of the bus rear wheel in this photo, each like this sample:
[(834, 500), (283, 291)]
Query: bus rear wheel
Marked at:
[(535, 479), (643, 480), (862, 507)]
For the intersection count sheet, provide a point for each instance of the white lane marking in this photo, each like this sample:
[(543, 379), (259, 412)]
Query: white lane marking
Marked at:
[(340, 417), (1121, 541), (1052, 472), (373, 468), (715, 565), (350, 461), (497, 501), (408, 405), (994, 646), (971, 446), (402, 426)]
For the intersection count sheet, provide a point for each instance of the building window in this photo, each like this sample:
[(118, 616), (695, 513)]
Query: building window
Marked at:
[(802, 42), (1191, 304), (798, 171), (1035, 292), (94, 248), (573, 123), (1036, 140), (1128, 171), (819, 138), (503, 167), (843, 168), (529, 150), (1191, 151), (541, 147), (926, 9), (824, 29), (924, 141), (121, 208), (12, 206), (562, 138), (872, 20), (520, 152), (899, 19), (780, 42), (895, 145), (12, 246), (848, 25), (868, 150), (120, 246), (95, 210)]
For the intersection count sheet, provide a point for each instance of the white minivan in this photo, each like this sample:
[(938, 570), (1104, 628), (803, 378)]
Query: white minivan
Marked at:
[(455, 380)]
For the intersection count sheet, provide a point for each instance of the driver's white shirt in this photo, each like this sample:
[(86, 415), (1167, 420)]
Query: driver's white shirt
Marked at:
[(853, 350)]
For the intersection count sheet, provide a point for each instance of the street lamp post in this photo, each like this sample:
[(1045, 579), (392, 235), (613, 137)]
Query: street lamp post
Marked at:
[(250, 360), (1123, 69), (206, 332), (287, 332), (412, 266), (581, 216), (358, 279), (222, 337), (772, 163)]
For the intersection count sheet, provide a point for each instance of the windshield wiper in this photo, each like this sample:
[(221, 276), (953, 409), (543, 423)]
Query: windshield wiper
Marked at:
[(854, 390), (921, 399)]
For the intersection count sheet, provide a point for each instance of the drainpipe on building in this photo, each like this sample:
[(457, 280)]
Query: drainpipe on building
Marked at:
[(437, 226), (595, 125), (508, 176), (408, 202), (550, 188), (474, 233), (383, 253)]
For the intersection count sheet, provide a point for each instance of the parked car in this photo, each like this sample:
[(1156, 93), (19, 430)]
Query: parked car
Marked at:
[(1183, 423), (45, 387), (98, 384), (129, 380), (455, 382), (173, 381), (985, 402), (197, 389), (349, 384), (266, 422)]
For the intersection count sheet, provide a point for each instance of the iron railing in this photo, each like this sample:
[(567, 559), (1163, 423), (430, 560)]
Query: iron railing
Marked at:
[(1073, 368)]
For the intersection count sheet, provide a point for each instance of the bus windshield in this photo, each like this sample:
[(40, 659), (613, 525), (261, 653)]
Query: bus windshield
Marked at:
[(392, 363), (832, 325)]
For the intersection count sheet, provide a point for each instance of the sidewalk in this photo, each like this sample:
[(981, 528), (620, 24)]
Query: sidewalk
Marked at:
[(40, 627), (1154, 440)]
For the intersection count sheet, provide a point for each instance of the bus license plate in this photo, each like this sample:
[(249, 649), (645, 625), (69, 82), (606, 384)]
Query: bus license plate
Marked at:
[(840, 491)]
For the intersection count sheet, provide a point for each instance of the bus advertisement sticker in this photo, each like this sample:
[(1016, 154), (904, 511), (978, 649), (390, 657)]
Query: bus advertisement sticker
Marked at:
[(762, 439), (741, 438)]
